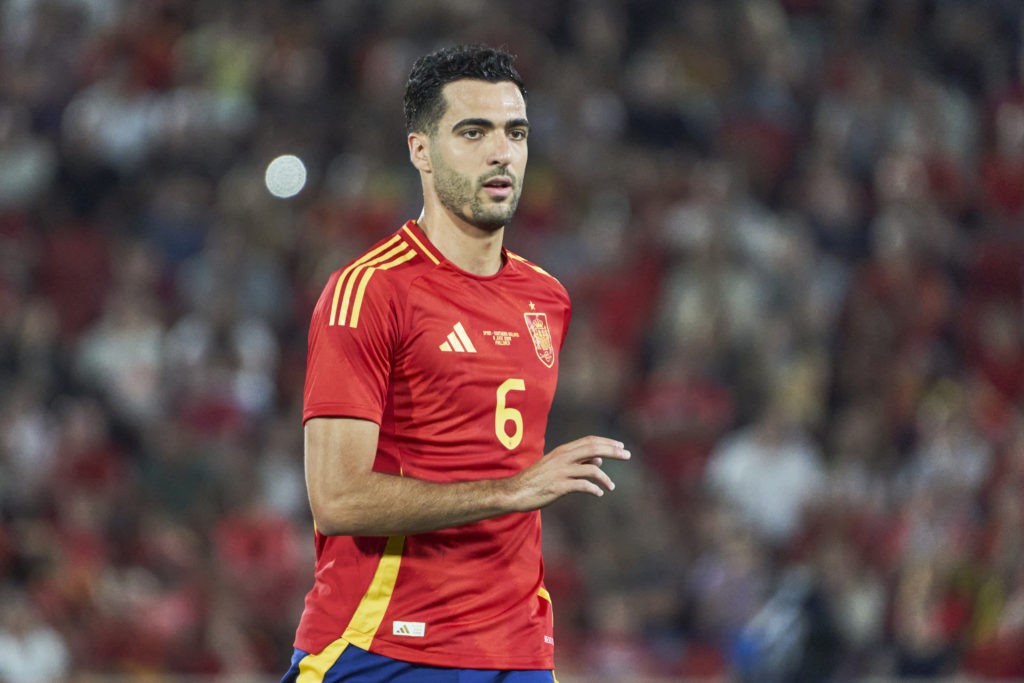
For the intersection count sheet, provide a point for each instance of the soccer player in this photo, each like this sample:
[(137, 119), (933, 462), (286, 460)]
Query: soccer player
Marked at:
[(432, 365)]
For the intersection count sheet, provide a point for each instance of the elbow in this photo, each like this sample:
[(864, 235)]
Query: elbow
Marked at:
[(330, 523), (326, 524), (337, 518), (329, 527)]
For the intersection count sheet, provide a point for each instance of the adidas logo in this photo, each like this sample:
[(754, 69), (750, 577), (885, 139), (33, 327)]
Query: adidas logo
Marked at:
[(458, 341), (409, 629)]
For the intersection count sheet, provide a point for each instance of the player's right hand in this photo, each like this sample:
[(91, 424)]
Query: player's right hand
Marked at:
[(574, 467)]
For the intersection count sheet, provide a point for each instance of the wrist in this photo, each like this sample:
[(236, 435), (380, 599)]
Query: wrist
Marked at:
[(507, 496)]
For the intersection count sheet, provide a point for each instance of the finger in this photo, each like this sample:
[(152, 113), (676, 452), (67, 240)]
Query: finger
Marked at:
[(596, 474), (587, 486), (593, 442), (593, 446), (614, 453)]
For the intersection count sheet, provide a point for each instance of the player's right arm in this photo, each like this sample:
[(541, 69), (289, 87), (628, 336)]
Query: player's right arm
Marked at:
[(348, 498)]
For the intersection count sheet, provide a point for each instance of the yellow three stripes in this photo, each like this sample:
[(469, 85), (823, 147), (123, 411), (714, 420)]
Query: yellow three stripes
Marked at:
[(357, 276)]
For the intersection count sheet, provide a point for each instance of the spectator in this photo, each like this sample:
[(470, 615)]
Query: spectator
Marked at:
[(31, 651), (770, 472)]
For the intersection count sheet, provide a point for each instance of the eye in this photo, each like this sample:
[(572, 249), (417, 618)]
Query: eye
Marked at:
[(517, 134), (472, 134)]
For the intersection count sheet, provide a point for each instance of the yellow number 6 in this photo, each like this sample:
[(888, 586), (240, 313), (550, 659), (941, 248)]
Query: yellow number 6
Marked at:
[(503, 415)]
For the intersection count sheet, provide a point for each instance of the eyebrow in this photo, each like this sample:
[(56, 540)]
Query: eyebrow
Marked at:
[(488, 124)]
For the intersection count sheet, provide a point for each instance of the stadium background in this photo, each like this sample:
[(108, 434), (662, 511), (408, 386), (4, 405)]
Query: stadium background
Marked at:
[(794, 235)]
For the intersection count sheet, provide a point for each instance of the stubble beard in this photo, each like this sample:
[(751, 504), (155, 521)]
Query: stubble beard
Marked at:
[(461, 196)]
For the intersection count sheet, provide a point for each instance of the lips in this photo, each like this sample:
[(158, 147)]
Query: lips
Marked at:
[(499, 187)]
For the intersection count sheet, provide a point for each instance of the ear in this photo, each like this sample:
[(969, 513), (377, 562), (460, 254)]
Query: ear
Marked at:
[(419, 151)]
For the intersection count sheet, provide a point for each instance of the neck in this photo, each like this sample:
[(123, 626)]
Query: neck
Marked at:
[(468, 247)]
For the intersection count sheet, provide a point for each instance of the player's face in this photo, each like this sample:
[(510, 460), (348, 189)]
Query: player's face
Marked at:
[(478, 154)]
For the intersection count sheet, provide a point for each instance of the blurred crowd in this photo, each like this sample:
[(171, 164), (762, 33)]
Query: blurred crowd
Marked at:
[(793, 231)]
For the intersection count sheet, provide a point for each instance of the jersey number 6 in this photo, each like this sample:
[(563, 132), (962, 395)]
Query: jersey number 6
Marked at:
[(503, 414)]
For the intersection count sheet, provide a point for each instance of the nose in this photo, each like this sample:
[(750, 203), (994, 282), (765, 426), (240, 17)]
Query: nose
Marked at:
[(500, 151)]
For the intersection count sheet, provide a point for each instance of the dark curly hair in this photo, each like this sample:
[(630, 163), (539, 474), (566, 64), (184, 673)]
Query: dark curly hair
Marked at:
[(424, 102)]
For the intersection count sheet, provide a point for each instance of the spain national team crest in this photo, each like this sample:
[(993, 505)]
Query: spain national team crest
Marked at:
[(537, 324)]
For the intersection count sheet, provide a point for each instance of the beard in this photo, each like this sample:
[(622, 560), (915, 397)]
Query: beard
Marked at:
[(461, 195)]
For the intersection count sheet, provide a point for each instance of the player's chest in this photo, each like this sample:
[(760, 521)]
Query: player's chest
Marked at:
[(481, 331)]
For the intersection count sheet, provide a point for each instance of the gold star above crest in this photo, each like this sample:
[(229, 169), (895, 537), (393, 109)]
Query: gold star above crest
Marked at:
[(533, 306)]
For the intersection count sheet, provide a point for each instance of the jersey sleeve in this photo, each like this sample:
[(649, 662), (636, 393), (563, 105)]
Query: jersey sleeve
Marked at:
[(352, 336), (567, 317)]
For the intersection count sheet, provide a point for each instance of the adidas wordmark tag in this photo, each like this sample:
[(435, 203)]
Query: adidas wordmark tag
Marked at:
[(411, 629)]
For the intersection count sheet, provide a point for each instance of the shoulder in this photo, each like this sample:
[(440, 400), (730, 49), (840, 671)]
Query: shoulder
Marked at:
[(541, 277), (379, 275), (402, 253)]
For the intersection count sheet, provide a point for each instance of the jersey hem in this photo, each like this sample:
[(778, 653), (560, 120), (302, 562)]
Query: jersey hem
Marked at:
[(452, 660)]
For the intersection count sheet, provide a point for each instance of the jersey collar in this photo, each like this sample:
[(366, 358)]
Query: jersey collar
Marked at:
[(421, 243), (419, 240)]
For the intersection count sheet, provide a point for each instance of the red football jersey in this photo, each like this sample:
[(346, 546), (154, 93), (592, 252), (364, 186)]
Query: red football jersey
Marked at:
[(459, 371)]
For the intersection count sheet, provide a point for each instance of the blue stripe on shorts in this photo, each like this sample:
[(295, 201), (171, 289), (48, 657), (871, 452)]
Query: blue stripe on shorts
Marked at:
[(359, 666)]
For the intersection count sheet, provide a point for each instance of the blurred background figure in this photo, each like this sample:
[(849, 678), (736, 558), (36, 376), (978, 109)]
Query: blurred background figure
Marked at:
[(31, 651)]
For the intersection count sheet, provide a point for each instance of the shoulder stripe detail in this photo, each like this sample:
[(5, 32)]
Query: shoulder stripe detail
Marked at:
[(353, 273), (519, 258), (414, 238), (357, 305), (352, 266), (370, 613)]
